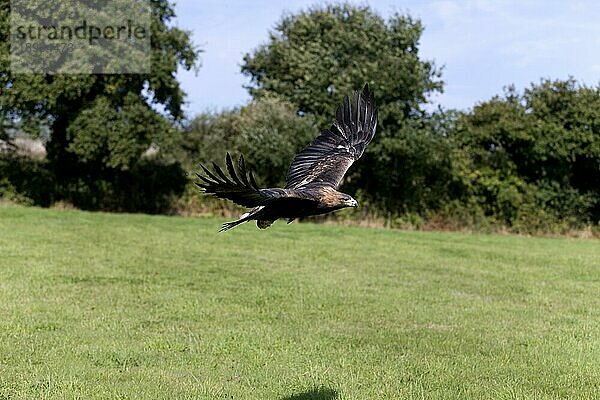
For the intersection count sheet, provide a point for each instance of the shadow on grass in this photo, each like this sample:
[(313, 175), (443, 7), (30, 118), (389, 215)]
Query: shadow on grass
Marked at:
[(314, 394)]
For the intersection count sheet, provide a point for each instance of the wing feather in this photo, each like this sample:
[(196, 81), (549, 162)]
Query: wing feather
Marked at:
[(329, 156), (240, 187), (231, 170)]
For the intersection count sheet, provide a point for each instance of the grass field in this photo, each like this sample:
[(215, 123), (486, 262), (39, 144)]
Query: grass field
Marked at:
[(103, 306)]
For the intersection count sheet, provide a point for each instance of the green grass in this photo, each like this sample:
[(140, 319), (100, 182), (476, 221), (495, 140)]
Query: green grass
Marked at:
[(102, 306)]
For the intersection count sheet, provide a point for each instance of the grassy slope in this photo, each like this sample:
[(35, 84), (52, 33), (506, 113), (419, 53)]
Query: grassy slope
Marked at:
[(133, 306)]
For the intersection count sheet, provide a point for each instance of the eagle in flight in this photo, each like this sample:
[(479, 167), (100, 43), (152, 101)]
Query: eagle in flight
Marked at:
[(313, 177)]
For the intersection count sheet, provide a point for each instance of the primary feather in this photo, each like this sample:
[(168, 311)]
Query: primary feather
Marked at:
[(329, 156)]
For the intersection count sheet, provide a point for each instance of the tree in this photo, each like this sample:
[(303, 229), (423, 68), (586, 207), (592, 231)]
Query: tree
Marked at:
[(101, 124), (537, 150), (317, 56)]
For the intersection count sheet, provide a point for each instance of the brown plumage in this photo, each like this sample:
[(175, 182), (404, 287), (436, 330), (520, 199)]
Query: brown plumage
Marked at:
[(313, 177)]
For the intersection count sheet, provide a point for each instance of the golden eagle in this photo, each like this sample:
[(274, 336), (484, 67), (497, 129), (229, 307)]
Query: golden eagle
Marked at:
[(313, 176)]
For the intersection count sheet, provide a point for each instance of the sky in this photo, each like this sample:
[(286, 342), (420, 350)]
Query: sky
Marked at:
[(482, 46)]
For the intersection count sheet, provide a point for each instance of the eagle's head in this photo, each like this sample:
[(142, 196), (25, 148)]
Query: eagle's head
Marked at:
[(334, 200), (349, 201)]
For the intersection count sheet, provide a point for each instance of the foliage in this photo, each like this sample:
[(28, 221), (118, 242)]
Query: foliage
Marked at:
[(150, 186), (539, 150), (115, 138), (268, 132), (316, 57), (416, 171), (26, 180), (100, 124)]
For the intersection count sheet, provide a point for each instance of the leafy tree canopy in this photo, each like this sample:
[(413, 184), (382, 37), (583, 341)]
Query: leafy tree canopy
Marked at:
[(317, 56)]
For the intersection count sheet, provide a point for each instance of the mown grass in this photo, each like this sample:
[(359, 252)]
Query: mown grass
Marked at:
[(101, 306)]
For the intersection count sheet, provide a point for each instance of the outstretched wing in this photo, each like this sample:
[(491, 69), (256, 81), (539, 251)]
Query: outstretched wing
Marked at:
[(240, 187), (329, 156)]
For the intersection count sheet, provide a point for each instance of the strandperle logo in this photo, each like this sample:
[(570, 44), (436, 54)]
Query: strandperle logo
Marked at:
[(84, 31), (81, 37)]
